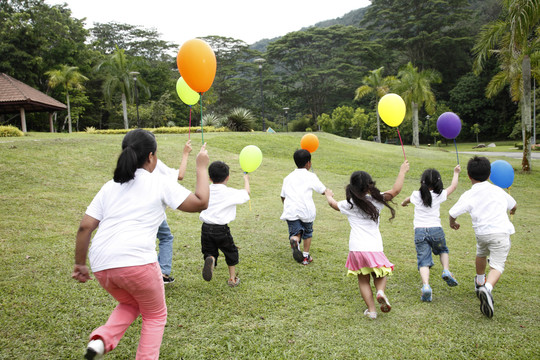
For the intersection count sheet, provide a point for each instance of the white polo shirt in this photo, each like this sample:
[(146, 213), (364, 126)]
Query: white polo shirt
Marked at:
[(488, 205), (297, 190), (365, 234), (222, 204), (425, 216), (129, 216)]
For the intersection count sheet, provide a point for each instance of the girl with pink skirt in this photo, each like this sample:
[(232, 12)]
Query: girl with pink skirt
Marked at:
[(366, 257)]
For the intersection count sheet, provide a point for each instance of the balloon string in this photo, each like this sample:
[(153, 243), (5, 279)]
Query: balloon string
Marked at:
[(189, 129), (456, 151), (401, 141), (202, 130), (249, 204)]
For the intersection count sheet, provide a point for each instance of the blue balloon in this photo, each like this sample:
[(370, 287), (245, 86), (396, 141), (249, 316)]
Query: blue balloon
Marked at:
[(502, 174)]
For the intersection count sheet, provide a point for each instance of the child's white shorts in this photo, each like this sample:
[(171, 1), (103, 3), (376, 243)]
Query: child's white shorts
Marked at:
[(497, 246)]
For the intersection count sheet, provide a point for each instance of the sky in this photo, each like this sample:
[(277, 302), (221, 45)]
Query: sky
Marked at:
[(179, 20)]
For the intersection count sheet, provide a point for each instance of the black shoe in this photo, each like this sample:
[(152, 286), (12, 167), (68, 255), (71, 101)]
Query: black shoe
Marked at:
[(208, 268), (486, 301), (167, 279), (296, 253)]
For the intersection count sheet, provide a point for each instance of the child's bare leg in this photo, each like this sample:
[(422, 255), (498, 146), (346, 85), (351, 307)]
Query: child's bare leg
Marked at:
[(424, 274), (481, 263), (380, 283), (307, 244), (445, 262), (232, 272), (365, 290), (493, 276)]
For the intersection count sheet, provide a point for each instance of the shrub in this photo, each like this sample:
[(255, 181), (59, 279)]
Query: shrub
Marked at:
[(239, 119), (90, 129), (163, 130), (213, 119), (10, 131)]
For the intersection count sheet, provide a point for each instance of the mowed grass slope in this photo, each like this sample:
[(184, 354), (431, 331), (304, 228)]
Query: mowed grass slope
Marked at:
[(281, 310)]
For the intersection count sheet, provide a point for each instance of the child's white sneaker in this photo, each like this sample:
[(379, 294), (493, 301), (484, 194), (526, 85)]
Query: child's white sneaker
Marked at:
[(370, 314), (95, 349)]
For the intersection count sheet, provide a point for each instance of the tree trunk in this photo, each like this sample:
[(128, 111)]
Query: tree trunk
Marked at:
[(416, 142), (69, 111), (124, 110), (526, 114)]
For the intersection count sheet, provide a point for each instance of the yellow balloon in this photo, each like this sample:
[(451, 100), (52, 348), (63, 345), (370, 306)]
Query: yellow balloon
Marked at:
[(392, 109)]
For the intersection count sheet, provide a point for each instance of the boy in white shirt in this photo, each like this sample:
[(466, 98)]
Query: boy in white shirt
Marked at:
[(298, 206), (488, 205), (215, 232)]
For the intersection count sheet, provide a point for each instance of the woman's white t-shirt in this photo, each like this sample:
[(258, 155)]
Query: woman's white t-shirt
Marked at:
[(129, 216), (365, 234), (424, 216)]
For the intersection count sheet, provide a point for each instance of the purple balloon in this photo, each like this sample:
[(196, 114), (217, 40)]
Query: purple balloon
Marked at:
[(449, 125)]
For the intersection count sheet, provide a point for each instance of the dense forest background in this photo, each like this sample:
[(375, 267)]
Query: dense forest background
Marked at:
[(309, 79)]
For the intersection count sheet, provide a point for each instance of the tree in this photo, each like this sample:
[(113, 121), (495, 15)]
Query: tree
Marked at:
[(69, 78), (374, 83), (475, 129), (512, 39), (415, 88), (118, 78)]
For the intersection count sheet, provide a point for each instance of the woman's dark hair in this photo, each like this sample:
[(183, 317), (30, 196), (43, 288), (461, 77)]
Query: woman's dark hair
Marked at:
[(136, 147), (430, 180), (218, 171), (360, 185)]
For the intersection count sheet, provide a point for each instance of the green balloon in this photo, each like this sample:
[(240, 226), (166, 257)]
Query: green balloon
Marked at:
[(186, 94), (250, 158)]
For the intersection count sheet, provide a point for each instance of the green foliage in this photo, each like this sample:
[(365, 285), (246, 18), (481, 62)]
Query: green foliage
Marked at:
[(10, 131), (240, 119)]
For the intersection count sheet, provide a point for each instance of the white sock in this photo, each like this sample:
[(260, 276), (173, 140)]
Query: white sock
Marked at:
[(306, 254), (489, 287), (380, 292), (481, 279)]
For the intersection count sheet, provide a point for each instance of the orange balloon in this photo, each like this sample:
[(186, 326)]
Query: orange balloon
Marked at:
[(309, 142), (197, 64)]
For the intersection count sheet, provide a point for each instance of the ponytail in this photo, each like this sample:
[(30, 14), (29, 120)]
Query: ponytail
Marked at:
[(430, 181), (137, 145)]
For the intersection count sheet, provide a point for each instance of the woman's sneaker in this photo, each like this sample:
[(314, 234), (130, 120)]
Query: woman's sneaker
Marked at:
[(426, 293), (95, 350)]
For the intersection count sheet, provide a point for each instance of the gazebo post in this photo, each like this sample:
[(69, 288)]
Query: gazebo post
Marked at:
[(23, 120), (51, 122)]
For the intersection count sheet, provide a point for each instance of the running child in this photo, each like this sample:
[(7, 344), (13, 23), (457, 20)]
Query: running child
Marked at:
[(366, 257), (428, 233)]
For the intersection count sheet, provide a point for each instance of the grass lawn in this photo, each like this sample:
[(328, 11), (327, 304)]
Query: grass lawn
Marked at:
[(281, 310)]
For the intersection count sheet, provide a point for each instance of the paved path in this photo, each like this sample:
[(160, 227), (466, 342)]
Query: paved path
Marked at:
[(514, 155)]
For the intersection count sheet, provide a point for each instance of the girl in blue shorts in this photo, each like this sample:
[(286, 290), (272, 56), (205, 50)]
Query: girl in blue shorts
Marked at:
[(428, 233)]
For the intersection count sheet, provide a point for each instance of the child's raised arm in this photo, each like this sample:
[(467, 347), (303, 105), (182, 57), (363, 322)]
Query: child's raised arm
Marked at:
[(398, 185), (198, 201), (455, 179), (246, 183), (330, 198), (183, 164)]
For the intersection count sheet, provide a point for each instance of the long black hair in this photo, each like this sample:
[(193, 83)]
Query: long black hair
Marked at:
[(361, 184), (430, 180), (136, 147)]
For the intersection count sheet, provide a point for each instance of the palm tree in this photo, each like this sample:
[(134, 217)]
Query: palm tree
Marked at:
[(374, 83), (118, 77), (512, 40), (68, 77), (415, 88)]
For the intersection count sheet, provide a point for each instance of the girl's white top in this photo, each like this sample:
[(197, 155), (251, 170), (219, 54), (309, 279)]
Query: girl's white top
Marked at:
[(222, 204), (297, 190), (425, 216), (129, 216), (365, 234), (488, 205)]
